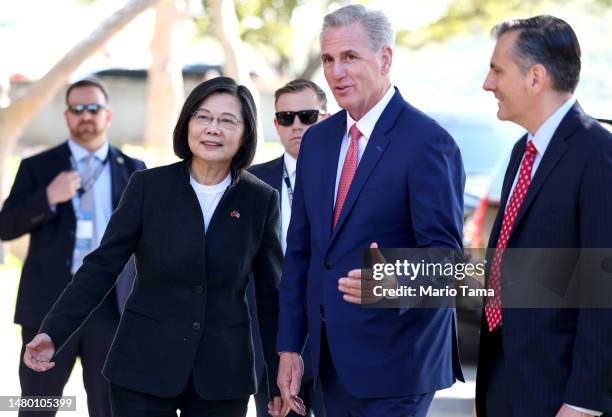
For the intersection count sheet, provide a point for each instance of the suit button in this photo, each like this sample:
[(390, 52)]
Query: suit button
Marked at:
[(196, 326), (322, 312), (72, 233), (199, 289), (68, 262), (328, 265)]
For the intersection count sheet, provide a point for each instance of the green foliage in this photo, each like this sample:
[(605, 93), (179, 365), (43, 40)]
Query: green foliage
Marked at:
[(264, 24), (478, 16), (467, 16)]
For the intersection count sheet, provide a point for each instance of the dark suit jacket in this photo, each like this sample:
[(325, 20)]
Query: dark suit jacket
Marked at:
[(271, 173), (556, 356), (46, 270), (407, 192), (187, 313)]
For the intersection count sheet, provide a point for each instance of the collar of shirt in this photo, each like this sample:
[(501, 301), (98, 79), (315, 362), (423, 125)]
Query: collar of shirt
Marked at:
[(368, 121), (80, 152), (544, 134), (211, 189), (290, 163)]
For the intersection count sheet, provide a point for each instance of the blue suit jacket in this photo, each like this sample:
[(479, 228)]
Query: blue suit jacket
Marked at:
[(407, 192), (556, 356)]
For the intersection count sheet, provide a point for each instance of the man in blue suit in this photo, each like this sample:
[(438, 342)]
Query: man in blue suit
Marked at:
[(299, 104), (377, 173), (557, 193)]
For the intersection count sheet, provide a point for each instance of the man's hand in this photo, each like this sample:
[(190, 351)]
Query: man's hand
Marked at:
[(275, 407), (290, 372), (360, 290), (63, 187), (38, 353), (567, 411)]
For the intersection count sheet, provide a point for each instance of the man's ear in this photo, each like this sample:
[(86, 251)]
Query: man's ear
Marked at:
[(538, 79), (387, 58), (109, 116)]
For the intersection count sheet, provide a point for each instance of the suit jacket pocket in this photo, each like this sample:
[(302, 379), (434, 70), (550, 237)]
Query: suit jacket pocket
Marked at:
[(142, 314)]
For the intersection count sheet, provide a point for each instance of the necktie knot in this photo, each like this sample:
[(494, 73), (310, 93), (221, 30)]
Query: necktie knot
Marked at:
[(354, 133), (530, 151)]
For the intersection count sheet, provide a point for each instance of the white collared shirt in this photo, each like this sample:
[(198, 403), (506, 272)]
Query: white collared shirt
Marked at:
[(543, 135), (366, 126), (290, 163)]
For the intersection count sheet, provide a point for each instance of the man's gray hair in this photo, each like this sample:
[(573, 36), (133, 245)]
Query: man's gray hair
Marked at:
[(377, 25)]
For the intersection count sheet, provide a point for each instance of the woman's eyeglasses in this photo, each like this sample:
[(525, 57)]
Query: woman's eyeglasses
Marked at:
[(205, 118)]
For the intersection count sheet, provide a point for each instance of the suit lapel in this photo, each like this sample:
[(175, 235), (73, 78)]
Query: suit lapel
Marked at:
[(329, 159), (513, 167), (187, 193), (276, 174), (374, 150), (63, 163), (119, 175), (555, 150)]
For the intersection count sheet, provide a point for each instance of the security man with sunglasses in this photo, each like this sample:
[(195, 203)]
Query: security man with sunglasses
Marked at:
[(299, 104), (63, 199)]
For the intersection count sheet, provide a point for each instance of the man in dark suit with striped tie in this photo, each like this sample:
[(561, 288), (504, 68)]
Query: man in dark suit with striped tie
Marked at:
[(299, 104), (537, 358)]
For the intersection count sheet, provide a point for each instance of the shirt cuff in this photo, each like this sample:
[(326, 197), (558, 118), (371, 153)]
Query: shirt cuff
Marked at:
[(585, 410)]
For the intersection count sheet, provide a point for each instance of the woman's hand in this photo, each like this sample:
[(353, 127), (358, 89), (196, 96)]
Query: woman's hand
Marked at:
[(275, 406), (38, 353)]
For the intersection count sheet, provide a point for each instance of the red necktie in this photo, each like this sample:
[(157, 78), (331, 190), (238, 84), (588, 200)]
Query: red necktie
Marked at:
[(348, 171), (493, 310)]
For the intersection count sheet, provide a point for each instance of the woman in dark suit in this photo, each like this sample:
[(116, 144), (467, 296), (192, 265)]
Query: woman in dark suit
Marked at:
[(197, 228)]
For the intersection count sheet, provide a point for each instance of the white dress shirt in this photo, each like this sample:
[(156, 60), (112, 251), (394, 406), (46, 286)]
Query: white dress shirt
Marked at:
[(541, 140), (366, 127), (209, 196), (543, 135), (290, 163)]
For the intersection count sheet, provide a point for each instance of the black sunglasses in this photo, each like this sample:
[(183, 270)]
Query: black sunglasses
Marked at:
[(92, 108), (307, 117)]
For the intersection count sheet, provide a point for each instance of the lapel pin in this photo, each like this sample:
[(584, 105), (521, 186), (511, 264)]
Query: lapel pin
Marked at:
[(235, 214), (120, 160)]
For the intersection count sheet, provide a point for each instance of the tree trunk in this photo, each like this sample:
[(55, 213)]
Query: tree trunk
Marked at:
[(227, 30), (14, 117), (165, 76), (313, 64)]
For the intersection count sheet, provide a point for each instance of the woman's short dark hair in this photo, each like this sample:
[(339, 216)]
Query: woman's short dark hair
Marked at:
[(219, 85)]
